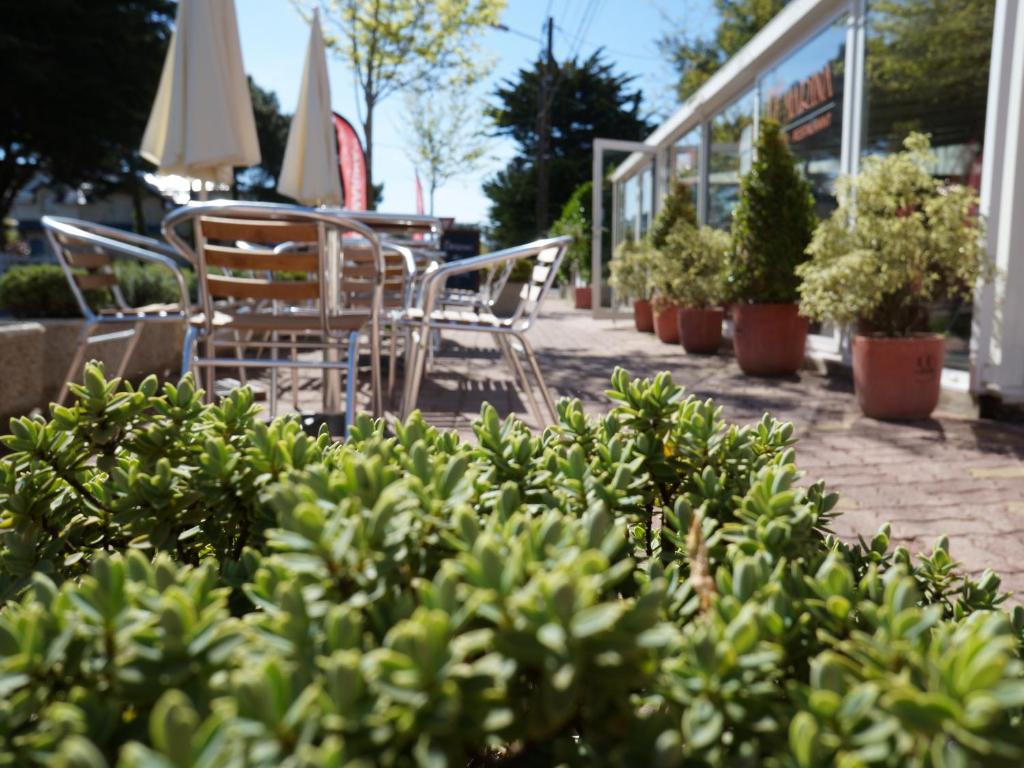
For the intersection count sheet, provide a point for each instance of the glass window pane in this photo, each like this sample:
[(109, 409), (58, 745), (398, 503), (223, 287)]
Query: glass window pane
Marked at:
[(646, 199), (731, 146), (686, 162), (804, 93), (629, 208), (926, 69)]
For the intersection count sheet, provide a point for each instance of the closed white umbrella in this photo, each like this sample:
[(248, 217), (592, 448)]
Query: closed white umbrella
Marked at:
[(309, 172), (202, 124)]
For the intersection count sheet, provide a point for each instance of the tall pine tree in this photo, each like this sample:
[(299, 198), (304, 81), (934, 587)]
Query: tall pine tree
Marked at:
[(588, 99)]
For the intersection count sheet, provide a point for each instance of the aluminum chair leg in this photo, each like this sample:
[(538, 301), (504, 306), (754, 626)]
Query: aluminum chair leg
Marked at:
[(376, 379), (76, 361), (416, 363), (517, 370), (129, 349), (392, 362), (350, 383), (532, 360), (188, 349), (272, 395), (295, 376), (211, 371)]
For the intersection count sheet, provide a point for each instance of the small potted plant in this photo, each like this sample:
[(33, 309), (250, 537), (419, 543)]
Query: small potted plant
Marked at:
[(677, 211), (575, 221), (899, 242), (695, 282), (772, 226), (631, 276)]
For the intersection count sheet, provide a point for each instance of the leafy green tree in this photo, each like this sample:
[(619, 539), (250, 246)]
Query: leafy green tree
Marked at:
[(588, 99), (447, 134), (698, 59), (772, 225), (398, 45), (260, 181), (79, 79)]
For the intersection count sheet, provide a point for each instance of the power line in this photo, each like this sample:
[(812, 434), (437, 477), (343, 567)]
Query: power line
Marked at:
[(617, 52)]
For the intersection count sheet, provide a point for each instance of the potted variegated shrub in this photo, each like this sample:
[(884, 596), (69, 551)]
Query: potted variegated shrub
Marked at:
[(694, 279), (772, 226), (677, 212), (631, 277), (900, 241)]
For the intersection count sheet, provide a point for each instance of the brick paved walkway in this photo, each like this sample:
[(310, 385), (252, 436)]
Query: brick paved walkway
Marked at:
[(946, 475)]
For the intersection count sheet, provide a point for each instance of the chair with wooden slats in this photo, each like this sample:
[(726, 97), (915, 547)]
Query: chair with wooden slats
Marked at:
[(292, 281), (431, 316), (87, 253)]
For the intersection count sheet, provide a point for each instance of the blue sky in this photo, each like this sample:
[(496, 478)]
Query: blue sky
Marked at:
[(274, 41)]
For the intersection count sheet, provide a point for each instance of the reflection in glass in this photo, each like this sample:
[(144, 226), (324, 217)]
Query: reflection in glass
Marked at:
[(926, 69), (804, 94), (629, 207), (686, 162), (646, 199), (732, 132)]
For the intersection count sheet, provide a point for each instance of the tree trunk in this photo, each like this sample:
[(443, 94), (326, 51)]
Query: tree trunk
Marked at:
[(368, 136), (135, 191), (12, 178)]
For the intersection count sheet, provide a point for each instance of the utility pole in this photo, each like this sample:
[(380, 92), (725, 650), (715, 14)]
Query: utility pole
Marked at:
[(544, 100)]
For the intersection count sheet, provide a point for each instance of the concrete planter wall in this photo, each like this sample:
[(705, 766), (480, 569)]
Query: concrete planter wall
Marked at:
[(35, 356), (21, 368)]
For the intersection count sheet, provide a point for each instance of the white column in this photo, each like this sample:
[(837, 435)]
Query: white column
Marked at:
[(997, 337)]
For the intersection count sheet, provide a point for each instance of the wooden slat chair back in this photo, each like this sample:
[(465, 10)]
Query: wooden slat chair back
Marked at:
[(267, 269)]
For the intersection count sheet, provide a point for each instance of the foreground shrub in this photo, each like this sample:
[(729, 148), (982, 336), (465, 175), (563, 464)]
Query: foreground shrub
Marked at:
[(653, 587)]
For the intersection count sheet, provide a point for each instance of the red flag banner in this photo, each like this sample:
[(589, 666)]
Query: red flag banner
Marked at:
[(419, 194), (352, 164)]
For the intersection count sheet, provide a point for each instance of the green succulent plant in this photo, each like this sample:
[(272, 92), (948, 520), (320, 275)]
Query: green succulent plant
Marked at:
[(650, 586)]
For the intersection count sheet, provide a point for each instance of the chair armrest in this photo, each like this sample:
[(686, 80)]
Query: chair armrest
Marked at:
[(433, 281)]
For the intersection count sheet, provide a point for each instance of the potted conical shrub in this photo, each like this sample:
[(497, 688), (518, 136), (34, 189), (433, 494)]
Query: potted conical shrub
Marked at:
[(899, 242), (677, 212), (695, 283), (630, 276), (772, 227)]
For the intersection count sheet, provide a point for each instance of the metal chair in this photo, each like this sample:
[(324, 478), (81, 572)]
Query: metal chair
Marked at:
[(308, 280), (430, 316), (87, 252)]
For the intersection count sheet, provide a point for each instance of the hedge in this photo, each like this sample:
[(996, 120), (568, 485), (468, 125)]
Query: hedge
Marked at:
[(185, 585)]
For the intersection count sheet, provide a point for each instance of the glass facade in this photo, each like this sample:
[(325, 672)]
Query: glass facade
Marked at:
[(925, 68), (804, 94), (732, 142)]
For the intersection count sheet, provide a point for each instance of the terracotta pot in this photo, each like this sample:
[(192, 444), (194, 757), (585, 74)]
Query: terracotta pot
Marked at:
[(700, 330), (898, 378), (665, 324), (769, 339), (583, 299), (643, 316)]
